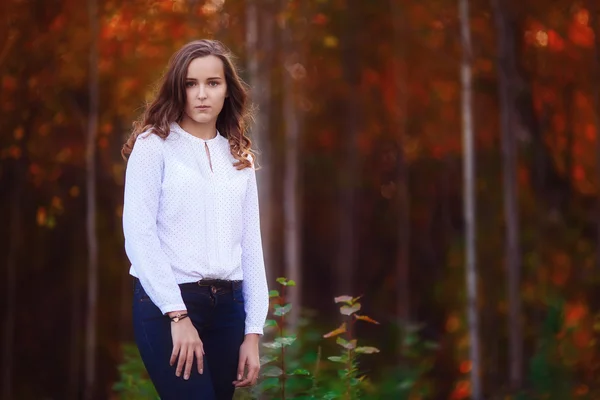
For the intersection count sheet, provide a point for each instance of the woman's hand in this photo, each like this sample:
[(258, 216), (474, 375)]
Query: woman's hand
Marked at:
[(186, 344), (248, 359)]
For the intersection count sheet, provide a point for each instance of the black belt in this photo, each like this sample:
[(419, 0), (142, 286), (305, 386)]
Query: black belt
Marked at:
[(217, 284)]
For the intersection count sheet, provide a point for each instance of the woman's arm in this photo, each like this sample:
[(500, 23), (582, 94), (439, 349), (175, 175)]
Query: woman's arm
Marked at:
[(256, 293), (143, 180)]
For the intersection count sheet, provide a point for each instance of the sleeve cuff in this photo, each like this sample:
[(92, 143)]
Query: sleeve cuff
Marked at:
[(254, 329), (172, 307)]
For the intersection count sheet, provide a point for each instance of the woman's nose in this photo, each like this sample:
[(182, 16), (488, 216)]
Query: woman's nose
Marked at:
[(201, 92)]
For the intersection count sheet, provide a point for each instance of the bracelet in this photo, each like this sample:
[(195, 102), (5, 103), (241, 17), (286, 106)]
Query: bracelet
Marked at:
[(179, 317)]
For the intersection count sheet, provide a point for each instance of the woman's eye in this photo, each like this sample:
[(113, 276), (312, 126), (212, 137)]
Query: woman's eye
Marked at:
[(213, 83), (190, 84)]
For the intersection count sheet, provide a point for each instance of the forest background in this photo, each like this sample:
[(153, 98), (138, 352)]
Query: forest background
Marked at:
[(369, 185)]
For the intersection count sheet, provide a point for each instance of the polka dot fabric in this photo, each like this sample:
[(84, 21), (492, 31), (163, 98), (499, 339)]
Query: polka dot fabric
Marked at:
[(184, 222)]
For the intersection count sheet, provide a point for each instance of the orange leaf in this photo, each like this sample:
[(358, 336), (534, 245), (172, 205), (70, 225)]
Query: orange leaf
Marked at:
[(366, 318), (338, 331)]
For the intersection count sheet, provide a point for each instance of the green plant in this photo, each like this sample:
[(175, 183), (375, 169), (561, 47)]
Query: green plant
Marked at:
[(351, 378), (134, 383), (407, 378), (276, 372), (549, 377)]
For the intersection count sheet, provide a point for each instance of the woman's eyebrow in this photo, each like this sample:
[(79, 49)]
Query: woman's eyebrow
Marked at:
[(209, 78)]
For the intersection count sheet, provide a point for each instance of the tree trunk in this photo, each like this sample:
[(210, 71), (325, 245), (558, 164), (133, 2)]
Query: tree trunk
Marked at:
[(399, 119), (469, 198), (259, 68), (92, 240), (594, 11), (347, 251), (291, 212), (505, 66), (14, 246)]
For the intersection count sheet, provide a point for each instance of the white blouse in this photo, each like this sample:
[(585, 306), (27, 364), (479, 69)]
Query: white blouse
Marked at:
[(188, 216)]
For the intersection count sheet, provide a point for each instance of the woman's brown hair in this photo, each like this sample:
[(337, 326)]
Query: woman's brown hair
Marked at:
[(169, 104)]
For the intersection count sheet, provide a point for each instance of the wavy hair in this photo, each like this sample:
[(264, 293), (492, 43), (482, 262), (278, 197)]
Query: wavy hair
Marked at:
[(169, 104)]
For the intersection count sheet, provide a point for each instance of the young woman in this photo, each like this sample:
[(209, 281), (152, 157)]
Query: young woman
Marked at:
[(192, 234)]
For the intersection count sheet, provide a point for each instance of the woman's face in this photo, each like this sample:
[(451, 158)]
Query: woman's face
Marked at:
[(206, 90)]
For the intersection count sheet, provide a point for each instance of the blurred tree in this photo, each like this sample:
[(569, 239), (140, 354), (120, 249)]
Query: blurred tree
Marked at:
[(469, 200), (349, 166), (294, 74), (399, 117), (505, 66), (91, 209), (259, 50), (594, 22)]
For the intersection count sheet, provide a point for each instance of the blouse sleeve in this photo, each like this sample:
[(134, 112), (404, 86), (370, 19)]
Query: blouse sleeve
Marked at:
[(256, 293), (143, 180)]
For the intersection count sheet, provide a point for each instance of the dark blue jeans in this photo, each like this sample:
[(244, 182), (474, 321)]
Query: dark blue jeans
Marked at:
[(218, 315)]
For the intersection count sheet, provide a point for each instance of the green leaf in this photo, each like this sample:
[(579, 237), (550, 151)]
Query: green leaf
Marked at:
[(410, 339), (431, 345), (285, 340), (274, 293), (300, 371), (406, 385), (267, 359), (269, 323), (272, 371), (280, 311), (413, 327), (272, 345), (349, 310), (348, 345), (337, 359), (269, 383), (291, 283), (367, 350), (282, 281)]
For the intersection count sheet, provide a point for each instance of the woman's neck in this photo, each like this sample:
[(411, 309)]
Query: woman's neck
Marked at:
[(202, 131)]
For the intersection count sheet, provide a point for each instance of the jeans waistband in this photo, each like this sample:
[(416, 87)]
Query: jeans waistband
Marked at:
[(216, 284)]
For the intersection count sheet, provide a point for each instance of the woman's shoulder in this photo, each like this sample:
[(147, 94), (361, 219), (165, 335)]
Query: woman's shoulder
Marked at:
[(149, 138), (149, 143)]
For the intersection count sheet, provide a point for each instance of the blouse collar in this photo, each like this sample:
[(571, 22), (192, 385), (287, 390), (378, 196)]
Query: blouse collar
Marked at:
[(174, 126)]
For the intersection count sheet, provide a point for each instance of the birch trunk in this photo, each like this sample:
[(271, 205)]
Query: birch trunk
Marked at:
[(92, 240), (469, 198)]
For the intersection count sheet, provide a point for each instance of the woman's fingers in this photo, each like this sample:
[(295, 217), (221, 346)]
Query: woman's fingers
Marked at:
[(251, 378), (182, 360), (241, 367), (188, 364), (253, 374), (200, 358), (174, 355)]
